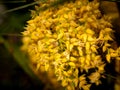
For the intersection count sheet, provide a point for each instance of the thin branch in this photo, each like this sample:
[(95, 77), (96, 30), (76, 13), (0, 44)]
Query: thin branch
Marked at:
[(13, 2), (21, 7), (113, 77)]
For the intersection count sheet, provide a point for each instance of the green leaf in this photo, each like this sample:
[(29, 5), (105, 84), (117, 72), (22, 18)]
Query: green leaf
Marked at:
[(19, 57)]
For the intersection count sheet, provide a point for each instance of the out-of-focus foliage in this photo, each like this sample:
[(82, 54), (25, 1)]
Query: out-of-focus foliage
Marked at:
[(15, 72)]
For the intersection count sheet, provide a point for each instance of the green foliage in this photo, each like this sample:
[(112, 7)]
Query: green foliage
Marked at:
[(10, 40)]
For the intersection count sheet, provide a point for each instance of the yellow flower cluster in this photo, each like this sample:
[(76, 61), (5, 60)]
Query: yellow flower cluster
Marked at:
[(73, 41)]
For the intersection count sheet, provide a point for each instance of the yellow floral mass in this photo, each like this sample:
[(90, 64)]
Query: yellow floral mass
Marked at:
[(72, 41)]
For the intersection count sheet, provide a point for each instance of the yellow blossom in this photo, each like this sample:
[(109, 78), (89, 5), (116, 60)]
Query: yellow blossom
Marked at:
[(66, 41)]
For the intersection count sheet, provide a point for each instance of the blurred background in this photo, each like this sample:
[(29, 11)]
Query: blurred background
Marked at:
[(14, 69)]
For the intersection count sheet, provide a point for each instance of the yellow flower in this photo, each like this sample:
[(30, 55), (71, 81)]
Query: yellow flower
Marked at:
[(94, 48), (73, 59), (80, 51), (87, 47), (64, 83), (66, 41), (89, 31), (108, 57), (88, 58), (71, 64)]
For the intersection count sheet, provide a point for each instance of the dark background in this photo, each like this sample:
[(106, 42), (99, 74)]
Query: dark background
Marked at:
[(12, 74)]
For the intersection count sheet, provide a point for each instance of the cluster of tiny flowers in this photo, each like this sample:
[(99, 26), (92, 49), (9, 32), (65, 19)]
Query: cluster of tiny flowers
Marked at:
[(72, 41)]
